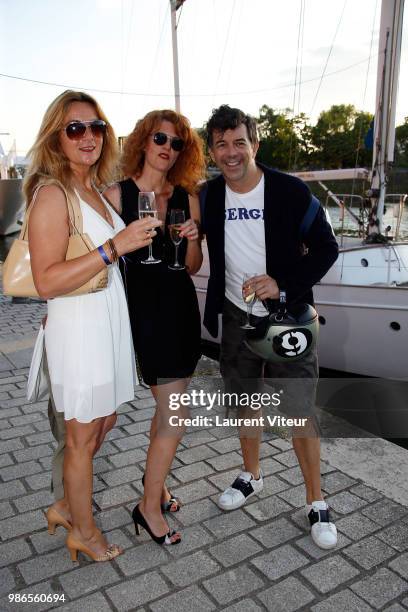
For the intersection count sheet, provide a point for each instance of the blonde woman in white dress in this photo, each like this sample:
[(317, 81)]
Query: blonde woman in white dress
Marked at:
[(87, 337)]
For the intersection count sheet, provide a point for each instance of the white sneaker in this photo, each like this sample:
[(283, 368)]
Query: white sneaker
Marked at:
[(323, 532), (241, 489)]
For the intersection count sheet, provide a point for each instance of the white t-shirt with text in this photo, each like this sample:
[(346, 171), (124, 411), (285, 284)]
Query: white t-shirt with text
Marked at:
[(244, 242)]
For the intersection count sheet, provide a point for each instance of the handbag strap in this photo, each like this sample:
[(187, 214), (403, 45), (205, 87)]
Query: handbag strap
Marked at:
[(73, 205), (24, 226)]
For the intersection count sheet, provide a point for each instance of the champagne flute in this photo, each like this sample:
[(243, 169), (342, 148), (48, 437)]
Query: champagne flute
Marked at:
[(148, 208), (177, 218), (249, 297)]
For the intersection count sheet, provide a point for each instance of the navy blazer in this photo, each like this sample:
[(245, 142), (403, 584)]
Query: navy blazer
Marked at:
[(286, 201)]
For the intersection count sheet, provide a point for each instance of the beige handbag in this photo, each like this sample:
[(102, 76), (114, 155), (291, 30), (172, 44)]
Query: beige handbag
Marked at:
[(17, 276)]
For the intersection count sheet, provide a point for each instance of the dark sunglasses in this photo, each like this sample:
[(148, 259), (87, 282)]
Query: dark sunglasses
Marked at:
[(77, 129), (176, 143)]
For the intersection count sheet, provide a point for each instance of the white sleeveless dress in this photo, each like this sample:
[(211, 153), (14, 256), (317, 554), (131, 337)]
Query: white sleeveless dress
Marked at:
[(88, 339)]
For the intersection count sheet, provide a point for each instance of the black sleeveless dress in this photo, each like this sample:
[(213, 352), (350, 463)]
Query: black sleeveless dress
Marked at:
[(163, 305)]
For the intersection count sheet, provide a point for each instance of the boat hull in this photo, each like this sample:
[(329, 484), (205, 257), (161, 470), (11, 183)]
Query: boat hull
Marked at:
[(364, 328)]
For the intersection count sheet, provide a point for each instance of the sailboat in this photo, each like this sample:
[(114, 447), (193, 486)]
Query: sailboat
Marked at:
[(363, 300)]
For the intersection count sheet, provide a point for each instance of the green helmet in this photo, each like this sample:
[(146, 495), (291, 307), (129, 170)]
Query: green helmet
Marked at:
[(285, 335)]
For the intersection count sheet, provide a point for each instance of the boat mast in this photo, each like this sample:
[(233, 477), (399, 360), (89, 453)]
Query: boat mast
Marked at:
[(386, 100), (174, 7)]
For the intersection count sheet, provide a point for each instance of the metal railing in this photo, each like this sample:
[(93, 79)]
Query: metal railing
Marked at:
[(346, 202), (398, 201)]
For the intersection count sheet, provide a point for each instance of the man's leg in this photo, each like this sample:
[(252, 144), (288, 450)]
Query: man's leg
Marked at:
[(299, 402), (250, 454), (241, 371), (57, 426), (306, 444), (60, 507), (306, 439), (307, 449)]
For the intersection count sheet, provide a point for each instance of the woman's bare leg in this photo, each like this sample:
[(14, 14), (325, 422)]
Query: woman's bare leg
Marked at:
[(106, 424), (165, 496), (81, 440), (162, 449)]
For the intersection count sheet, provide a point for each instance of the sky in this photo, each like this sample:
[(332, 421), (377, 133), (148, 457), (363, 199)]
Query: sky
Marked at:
[(245, 53)]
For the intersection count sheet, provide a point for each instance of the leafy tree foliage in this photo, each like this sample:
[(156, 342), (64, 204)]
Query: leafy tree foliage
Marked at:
[(337, 139), (290, 142), (277, 137)]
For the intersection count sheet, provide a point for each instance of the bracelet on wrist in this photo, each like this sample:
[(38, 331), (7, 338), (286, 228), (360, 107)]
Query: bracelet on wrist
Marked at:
[(104, 256), (114, 252), (108, 250)]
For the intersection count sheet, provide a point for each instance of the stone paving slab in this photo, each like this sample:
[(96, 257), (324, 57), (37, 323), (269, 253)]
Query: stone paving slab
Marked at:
[(259, 557)]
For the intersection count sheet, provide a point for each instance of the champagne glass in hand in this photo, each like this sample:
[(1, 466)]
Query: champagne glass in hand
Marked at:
[(177, 218), (148, 208), (249, 297)]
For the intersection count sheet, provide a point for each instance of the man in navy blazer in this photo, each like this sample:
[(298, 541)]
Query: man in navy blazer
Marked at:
[(252, 217)]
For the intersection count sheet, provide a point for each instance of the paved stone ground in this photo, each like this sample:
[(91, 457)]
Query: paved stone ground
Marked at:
[(259, 557)]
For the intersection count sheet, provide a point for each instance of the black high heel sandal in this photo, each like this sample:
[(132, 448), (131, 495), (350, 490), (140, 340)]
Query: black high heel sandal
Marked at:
[(139, 519), (168, 506)]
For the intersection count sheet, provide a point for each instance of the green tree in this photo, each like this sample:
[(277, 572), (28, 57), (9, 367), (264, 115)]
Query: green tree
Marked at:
[(278, 137), (337, 139), (303, 144)]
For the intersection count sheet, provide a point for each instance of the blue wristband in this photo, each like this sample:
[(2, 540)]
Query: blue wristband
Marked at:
[(104, 256)]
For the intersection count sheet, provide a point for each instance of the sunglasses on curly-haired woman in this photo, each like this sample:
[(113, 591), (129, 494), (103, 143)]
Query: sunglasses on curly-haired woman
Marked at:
[(176, 143)]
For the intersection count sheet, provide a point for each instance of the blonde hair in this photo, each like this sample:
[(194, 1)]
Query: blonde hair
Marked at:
[(189, 168), (47, 160)]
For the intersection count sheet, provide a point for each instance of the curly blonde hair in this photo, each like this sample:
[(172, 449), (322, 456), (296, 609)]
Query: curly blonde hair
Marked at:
[(189, 168), (47, 159)]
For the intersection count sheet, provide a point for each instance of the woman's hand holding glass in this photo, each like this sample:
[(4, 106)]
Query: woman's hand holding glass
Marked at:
[(177, 221), (179, 229), (189, 230), (136, 235), (147, 207)]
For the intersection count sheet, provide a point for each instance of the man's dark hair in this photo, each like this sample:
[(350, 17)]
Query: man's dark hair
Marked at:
[(227, 118)]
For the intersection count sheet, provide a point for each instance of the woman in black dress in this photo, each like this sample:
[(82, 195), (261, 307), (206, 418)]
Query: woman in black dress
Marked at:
[(163, 154)]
